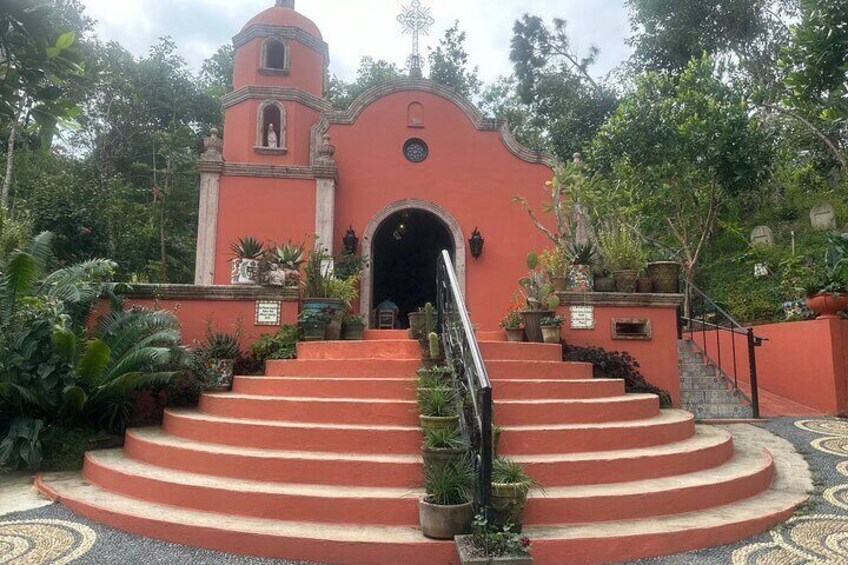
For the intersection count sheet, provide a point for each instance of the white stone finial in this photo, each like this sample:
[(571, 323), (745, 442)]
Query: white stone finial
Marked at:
[(285, 4)]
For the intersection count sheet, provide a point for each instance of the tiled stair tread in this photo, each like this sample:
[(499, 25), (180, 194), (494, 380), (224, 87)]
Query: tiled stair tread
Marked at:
[(201, 416), (669, 416), (71, 485), (744, 463), (116, 460), (158, 436), (754, 508), (705, 437)]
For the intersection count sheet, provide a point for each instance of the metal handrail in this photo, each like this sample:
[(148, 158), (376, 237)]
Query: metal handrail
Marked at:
[(702, 325), (463, 353)]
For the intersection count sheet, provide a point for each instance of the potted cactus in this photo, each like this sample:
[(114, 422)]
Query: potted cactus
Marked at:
[(248, 251), (540, 299)]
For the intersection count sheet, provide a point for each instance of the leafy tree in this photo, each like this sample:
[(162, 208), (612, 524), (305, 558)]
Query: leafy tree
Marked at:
[(555, 83), (449, 64), (501, 100), (371, 73), (680, 148)]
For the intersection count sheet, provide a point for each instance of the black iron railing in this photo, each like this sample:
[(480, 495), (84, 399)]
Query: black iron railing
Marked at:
[(463, 354), (729, 345)]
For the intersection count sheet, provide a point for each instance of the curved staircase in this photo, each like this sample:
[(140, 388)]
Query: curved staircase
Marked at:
[(319, 461)]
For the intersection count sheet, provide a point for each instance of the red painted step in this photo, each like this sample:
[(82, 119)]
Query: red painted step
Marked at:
[(530, 389), (538, 370), (112, 471), (344, 368), (370, 411), (153, 446), (576, 411), (292, 435), (409, 349)]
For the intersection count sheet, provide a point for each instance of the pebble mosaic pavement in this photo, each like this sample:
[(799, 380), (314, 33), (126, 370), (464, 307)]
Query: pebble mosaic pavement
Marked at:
[(816, 535)]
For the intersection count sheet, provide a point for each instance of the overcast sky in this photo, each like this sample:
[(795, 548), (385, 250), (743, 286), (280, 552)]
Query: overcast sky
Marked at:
[(354, 28)]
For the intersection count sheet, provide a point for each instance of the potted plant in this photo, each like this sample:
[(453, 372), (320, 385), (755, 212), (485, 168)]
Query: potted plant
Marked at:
[(220, 351), (513, 324), (353, 327), (665, 276), (493, 546), (582, 255), (441, 447), (826, 288), (321, 290), (624, 257), (603, 279), (344, 291), (447, 509), (434, 355), (283, 265), (248, 251), (313, 324), (644, 285), (434, 377), (554, 263), (540, 299), (438, 409), (416, 323), (552, 329), (510, 486)]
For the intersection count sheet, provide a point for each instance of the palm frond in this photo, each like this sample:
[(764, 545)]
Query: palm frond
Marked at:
[(138, 360), (18, 281), (91, 369)]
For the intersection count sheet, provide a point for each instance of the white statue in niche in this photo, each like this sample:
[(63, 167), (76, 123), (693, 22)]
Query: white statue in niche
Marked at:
[(272, 140)]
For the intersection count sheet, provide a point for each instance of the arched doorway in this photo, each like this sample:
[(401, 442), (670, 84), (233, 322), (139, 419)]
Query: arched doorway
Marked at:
[(406, 249)]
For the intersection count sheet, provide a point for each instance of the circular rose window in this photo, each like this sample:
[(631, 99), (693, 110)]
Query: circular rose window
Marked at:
[(415, 150)]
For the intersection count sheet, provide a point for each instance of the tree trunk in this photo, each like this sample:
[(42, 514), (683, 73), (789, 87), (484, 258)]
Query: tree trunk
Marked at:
[(10, 157)]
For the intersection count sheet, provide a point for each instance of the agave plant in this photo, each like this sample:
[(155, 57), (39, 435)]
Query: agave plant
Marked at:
[(247, 247), (582, 253), (449, 485), (288, 256)]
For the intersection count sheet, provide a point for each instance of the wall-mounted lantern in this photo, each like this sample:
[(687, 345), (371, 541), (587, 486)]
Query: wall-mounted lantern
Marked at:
[(350, 241), (476, 242)]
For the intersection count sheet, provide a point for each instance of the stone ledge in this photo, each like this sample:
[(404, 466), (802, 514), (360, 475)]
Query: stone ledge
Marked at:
[(220, 293), (620, 299)]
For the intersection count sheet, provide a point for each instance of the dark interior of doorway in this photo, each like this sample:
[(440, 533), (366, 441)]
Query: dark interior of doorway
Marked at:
[(406, 251)]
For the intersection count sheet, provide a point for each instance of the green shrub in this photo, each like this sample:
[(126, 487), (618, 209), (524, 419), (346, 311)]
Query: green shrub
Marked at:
[(282, 345), (64, 448)]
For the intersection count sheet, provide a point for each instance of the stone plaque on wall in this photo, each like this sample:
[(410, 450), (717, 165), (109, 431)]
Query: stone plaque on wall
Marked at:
[(268, 312), (582, 317), (762, 235), (823, 218)]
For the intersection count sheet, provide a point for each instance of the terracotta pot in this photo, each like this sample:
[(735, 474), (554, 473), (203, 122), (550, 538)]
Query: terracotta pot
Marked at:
[(551, 334), (644, 285), (222, 374), (440, 458), (464, 545), (560, 284), (625, 281), (508, 503), (533, 324), (827, 305), (604, 284), (445, 522), (353, 332), (665, 275), (580, 279), (439, 422), (515, 335)]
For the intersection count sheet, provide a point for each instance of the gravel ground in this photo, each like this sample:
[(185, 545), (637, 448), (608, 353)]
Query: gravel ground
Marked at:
[(113, 546)]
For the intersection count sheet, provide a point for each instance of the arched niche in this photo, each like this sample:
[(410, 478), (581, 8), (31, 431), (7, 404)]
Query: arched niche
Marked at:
[(271, 113), (415, 115), (275, 56)]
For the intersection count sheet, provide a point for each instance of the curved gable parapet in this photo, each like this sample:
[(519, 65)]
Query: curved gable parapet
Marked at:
[(480, 122)]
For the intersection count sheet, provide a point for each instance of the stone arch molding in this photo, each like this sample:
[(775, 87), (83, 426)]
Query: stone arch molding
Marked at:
[(366, 288)]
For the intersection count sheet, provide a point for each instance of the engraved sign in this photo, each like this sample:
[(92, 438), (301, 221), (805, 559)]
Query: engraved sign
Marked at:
[(268, 312), (823, 217), (762, 235), (582, 317)]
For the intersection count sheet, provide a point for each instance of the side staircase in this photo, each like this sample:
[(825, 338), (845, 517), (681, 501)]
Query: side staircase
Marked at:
[(319, 460), (705, 390)]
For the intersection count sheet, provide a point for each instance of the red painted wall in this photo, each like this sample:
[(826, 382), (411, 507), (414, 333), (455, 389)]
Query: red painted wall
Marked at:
[(306, 68), (657, 357)]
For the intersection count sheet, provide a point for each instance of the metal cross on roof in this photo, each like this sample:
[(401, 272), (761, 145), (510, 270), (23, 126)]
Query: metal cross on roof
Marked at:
[(415, 20)]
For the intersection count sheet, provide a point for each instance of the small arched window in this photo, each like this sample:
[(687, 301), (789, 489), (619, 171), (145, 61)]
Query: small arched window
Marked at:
[(275, 56), (415, 115), (271, 127)]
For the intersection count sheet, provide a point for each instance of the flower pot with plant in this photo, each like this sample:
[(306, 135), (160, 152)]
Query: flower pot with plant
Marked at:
[(581, 256), (438, 409), (513, 324), (435, 355), (434, 377), (220, 351), (624, 257), (283, 265), (552, 329), (644, 285), (827, 287), (313, 324), (442, 447), (665, 276), (489, 545), (540, 299), (447, 509), (604, 282), (248, 251), (510, 486), (555, 264), (353, 327), (416, 324)]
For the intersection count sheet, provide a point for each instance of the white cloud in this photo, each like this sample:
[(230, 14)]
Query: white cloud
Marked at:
[(363, 27)]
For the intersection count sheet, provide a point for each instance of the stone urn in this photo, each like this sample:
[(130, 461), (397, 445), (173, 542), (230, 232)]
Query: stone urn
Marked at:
[(665, 276), (445, 522), (827, 305), (508, 504), (625, 281)]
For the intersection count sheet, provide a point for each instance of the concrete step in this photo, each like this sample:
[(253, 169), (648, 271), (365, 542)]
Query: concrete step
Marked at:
[(404, 388), (713, 397), (721, 411), (576, 411), (547, 370), (154, 446), (409, 349), (703, 383)]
